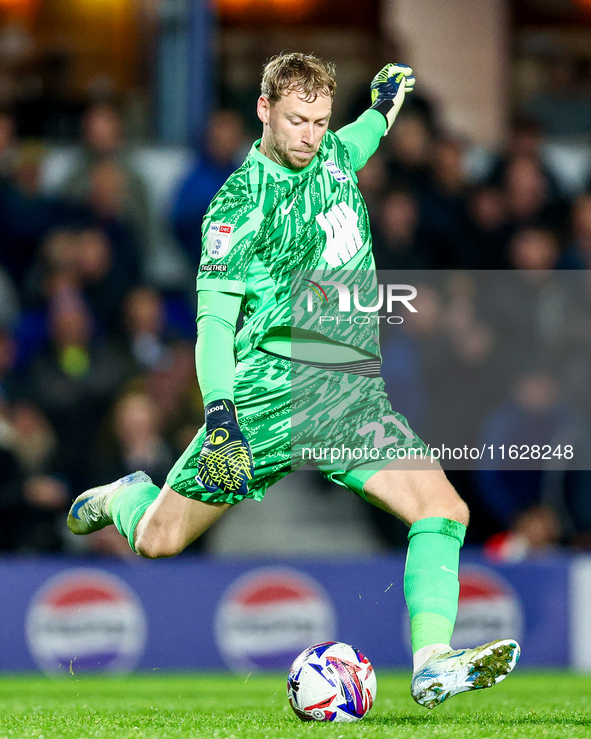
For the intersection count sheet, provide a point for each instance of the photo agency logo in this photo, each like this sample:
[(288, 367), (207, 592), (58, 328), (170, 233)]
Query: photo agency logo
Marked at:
[(349, 309)]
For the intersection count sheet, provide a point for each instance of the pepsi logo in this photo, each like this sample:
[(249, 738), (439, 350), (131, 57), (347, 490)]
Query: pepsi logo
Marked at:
[(489, 608), (269, 615), (85, 619)]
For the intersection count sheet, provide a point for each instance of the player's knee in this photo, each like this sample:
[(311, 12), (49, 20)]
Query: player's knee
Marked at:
[(152, 547), (446, 504), (459, 511), (453, 507)]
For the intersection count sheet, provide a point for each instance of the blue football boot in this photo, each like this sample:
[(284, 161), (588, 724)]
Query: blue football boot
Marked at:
[(90, 511)]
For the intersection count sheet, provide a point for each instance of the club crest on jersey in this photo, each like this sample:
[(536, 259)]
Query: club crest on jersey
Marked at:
[(337, 173), (219, 240)]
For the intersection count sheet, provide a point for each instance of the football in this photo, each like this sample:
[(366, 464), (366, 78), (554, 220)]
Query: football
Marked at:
[(331, 681)]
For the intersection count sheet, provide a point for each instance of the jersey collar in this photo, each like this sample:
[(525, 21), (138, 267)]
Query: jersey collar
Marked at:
[(277, 168)]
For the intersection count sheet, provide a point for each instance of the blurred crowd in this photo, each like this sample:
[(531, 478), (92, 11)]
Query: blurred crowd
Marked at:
[(97, 373)]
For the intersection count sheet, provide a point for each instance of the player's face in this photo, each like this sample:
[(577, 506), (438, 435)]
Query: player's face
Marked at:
[(293, 128)]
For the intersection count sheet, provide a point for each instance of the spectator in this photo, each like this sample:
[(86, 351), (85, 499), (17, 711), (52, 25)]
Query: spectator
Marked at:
[(7, 365), (49, 110), (32, 505), (531, 416), (398, 242), (34, 441), (26, 215), (47, 500), (9, 300), (72, 381), (85, 259), (521, 304), (374, 183), (174, 388), (534, 248), (441, 197), (106, 178), (223, 147), (528, 194), (536, 531), (406, 356), (8, 146), (144, 319), (107, 269), (137, 443), (108, 191), (11, 479), (485, 230), (408, 151), (525, 139), (577, 254)]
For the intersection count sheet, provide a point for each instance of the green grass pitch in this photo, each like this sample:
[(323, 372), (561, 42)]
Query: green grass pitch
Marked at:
[(548, 705)]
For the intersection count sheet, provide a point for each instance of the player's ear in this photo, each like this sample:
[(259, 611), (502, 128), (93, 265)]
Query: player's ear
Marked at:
[(263, 108)]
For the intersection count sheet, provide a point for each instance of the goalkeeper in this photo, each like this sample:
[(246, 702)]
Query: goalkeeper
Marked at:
[(294, 206)]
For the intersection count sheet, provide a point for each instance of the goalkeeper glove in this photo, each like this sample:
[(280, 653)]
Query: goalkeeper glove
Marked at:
[(388, 89), (225, 461)]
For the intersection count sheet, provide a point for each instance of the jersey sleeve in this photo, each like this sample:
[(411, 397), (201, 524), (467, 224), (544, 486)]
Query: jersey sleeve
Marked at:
[(230, 235), (362, 137), (217, 315)]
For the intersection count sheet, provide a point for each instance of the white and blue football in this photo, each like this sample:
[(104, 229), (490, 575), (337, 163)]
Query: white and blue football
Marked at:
[(331, 681)]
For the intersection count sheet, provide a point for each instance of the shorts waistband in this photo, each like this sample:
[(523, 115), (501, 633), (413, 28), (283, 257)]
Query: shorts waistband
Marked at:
[(365, 367)]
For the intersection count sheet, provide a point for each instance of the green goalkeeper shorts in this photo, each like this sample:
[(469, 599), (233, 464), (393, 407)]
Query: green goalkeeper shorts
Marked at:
[(295, 415)]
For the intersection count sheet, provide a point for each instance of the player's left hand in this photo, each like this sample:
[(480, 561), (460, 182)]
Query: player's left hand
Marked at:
[(388, 89), (225, 462)]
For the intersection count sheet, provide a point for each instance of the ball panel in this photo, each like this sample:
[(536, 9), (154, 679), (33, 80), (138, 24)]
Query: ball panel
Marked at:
[(331, 681)]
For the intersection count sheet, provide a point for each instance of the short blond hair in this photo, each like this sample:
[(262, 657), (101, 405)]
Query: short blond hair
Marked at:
[(302, 73)]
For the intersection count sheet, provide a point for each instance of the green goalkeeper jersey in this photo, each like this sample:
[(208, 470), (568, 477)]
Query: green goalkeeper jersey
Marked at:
[(271, 233)]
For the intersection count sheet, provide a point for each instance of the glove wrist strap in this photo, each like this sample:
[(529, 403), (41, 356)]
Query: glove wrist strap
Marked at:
[(220, 410), (384, 107)]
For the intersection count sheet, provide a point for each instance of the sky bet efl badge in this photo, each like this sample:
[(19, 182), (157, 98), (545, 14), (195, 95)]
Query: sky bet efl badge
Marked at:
[(219, 240)]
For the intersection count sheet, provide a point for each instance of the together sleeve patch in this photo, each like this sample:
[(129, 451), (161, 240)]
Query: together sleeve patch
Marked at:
[(213, 268)]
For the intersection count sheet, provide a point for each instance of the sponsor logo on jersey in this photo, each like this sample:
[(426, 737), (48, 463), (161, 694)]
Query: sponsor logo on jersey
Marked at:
[(269, 615), (219, 240), (337, 173), (85, 619), (343, 239), (213, 268)]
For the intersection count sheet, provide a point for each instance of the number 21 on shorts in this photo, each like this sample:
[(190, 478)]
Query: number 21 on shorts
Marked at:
[(380, 439)]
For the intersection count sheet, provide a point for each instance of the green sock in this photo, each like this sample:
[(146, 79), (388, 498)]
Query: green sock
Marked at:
[(129, 505), (431, 585)]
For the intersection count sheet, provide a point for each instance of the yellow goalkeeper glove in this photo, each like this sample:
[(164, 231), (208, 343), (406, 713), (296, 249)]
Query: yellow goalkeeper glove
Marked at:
[(225, 462), (388, 89)]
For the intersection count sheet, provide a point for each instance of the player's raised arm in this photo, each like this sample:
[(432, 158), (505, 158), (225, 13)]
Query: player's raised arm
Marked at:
[(388, 90)]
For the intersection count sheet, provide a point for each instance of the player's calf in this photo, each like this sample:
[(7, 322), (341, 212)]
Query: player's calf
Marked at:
[(172, 522)]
